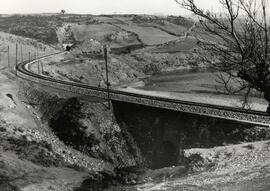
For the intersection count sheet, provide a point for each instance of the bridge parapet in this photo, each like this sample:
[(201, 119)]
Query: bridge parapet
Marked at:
[(196, 109)]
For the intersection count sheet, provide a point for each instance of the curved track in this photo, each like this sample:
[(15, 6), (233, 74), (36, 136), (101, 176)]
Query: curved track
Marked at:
[(227, 112)]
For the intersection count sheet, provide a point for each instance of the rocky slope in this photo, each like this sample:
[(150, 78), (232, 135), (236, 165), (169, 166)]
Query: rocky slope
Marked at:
[(86, 125), (27, 158)]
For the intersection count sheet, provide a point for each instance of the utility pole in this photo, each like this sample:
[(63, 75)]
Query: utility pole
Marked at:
[(38, 62), (105, 50), (42, 69), (36, 56), (16, 59), (21, 54), (38, 68), (8, 59)]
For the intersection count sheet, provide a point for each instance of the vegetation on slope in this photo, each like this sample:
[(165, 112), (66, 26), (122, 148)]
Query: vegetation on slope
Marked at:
[(41, 28)]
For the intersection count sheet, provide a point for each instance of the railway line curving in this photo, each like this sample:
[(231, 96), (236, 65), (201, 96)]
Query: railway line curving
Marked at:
[(216, 111)]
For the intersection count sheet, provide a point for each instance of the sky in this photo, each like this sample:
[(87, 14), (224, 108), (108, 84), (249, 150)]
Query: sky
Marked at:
[(166, 7)]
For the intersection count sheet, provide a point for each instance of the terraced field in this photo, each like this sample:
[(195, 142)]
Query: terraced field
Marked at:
[(149, 35), (94, 31), (172, 28), (184, 45)]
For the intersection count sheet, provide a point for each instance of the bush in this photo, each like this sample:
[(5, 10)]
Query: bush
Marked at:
[(66, 125)]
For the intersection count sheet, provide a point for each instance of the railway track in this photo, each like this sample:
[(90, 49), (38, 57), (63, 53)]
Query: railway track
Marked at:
[(225, 112)]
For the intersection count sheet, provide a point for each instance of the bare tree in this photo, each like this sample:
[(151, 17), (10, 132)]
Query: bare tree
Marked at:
[(242, 43), (63, 11)]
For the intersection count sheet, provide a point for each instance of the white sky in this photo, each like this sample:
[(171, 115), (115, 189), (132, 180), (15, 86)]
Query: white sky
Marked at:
[(99, 6)]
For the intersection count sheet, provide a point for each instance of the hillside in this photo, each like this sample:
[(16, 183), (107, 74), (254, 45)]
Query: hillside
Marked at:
[(139, 45), (27, 48), (36, 27)]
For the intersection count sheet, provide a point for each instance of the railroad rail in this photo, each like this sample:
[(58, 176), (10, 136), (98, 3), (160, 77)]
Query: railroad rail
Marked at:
[(216, 111)]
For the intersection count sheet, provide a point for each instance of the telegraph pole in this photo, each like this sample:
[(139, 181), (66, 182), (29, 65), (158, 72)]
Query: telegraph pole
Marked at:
[(16, 59), (105, 50), (21, 54), (36, 56), (8, 59), (3, 55), (42, 69), (38, 68)]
